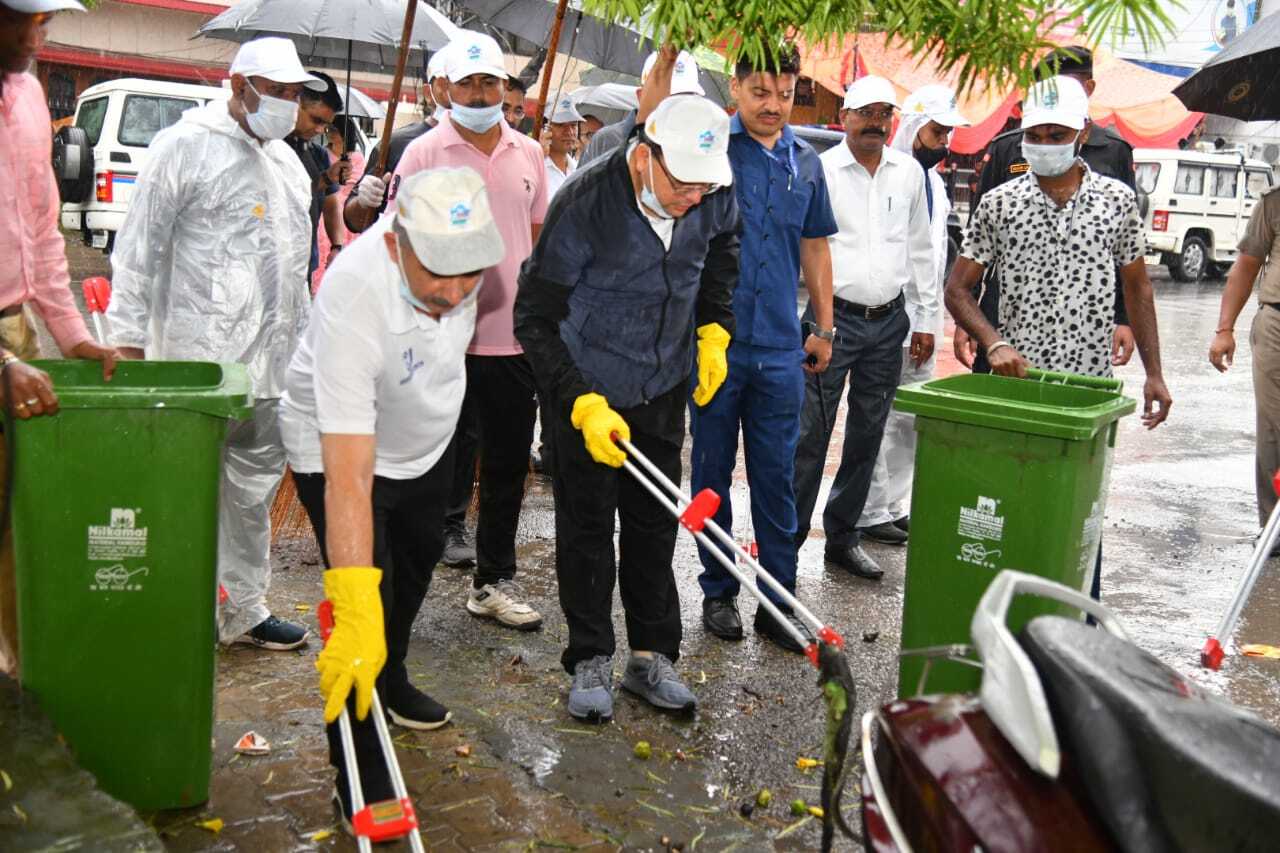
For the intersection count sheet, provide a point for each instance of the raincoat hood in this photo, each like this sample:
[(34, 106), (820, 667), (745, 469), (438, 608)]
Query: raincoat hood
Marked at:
[(908, 126)]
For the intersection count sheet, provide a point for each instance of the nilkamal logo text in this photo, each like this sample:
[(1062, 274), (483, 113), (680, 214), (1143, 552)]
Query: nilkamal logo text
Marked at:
[(981, 521)]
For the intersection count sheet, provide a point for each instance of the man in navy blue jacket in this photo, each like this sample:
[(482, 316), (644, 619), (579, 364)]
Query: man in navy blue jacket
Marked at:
[(637, 260)]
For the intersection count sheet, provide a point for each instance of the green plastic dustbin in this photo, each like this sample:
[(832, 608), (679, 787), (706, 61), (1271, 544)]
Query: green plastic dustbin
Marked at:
[(115, 521), (1010, 474)]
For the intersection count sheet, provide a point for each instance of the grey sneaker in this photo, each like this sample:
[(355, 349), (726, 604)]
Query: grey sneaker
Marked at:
[(591, 696), (459, 550), (654, 680)]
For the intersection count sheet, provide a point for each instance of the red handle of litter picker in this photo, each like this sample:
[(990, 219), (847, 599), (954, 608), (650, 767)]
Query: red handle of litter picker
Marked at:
[(324, 613), (385, 821), (97, 294)]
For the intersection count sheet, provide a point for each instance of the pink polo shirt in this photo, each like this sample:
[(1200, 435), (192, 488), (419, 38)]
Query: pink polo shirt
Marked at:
[(517, 184), (34, 266)]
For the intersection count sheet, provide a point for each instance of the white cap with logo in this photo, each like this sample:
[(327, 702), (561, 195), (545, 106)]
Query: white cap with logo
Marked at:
[(474, 53), (275, 59), (450, 225), (684, 77), (693, 134), (566, 112), (938, 103), (870, 90), (1057, 100)]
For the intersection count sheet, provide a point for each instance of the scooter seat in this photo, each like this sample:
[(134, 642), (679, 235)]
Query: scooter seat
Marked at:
[(1167, 765)]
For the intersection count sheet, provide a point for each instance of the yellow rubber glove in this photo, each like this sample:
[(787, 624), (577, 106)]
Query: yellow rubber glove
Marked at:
[(713, 365), (598, 422), (357, 648)]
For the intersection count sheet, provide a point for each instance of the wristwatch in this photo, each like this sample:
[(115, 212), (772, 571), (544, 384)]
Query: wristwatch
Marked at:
[(822, 334)]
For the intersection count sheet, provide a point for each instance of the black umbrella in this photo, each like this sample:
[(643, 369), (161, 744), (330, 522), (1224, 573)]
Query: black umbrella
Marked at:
[(1241, 81)]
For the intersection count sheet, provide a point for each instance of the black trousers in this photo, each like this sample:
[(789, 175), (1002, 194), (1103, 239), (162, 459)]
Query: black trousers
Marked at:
[(466, 438), (408, 538), (868, 353), (587, 495), (502, 390)]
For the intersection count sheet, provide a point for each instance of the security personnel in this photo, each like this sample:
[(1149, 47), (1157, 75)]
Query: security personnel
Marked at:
[(1107, 154)]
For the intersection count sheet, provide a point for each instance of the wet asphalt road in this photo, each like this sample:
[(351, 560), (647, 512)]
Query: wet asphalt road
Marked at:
[(1178, 532)]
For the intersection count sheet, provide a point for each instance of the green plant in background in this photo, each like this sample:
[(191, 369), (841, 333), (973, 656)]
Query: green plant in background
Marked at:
[(998, 40)]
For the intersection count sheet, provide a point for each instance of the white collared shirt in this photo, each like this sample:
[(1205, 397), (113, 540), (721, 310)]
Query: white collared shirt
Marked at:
[(883, 247), (555, 177), (369, 364)]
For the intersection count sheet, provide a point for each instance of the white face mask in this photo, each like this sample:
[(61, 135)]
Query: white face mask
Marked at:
[(1050, 161), (275, 117), (440, 114)]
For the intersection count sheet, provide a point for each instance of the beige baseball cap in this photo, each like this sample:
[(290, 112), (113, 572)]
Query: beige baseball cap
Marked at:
[(450, 225)]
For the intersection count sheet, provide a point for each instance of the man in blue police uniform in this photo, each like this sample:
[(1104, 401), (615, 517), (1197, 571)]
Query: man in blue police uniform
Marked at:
[(786, 219)]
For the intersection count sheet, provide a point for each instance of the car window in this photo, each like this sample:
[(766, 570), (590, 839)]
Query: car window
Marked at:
[(1226, 182), (1190, 179), (1146, 175), (90, 117), (1256, 183), (146, 115)]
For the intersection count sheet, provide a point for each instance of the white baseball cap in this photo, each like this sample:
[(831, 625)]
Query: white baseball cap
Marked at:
[(694, 136), (870, 90), (39, 7), (565, 112), (684, 77), (1058, 100), (438, 63), (938, 103), (474, 53), (450, 225), (276, 59)]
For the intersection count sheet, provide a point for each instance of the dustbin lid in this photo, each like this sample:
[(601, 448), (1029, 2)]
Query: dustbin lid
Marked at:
[(221, 390), (1074, 409)]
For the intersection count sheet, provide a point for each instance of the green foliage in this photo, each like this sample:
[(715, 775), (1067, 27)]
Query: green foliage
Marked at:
[(995, 39)]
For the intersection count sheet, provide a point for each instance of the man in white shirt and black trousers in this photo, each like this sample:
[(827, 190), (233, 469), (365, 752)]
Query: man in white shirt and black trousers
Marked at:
[(371, 402), (882, 251)]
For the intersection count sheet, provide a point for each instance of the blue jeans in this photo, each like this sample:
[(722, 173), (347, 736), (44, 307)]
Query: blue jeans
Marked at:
[(763, 393), (867, 353)]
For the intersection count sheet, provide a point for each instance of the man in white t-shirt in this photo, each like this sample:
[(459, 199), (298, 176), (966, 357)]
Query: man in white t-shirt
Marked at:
[(371, 401), (563, 129)]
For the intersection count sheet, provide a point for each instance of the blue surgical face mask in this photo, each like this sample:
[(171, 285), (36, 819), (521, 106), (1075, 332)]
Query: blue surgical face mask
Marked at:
[(407, 293), (1050, 161), (649, 198), (476, 119)]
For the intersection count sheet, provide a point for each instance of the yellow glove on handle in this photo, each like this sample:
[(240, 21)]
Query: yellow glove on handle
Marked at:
[(598, 422), (357, 648), (713, 365)]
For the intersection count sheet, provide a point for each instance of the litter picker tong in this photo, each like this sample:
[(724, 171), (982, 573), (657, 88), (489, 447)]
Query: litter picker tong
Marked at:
[(375, 822), (694, 515), (1212, 654)]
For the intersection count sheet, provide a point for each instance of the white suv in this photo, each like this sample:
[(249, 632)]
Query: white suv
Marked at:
[(1196, 206), (98, 158)]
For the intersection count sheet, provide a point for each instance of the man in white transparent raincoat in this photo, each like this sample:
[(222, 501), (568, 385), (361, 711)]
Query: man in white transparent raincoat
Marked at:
[(211, 265)]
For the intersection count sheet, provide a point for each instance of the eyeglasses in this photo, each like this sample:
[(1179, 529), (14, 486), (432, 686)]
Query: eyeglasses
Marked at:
[(875, 115), (507, 110), (681, 188)]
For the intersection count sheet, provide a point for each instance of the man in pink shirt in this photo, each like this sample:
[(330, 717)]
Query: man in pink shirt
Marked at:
[(499, 380), (33, 274)]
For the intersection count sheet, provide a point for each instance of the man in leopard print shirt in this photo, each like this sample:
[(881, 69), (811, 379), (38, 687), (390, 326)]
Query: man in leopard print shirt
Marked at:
[(1058, 234)]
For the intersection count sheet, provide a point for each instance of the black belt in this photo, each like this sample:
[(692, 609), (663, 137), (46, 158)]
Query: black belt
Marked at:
[(11, 311), (869, 312)]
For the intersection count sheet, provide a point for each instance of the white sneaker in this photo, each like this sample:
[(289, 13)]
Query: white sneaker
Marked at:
[(500, 604)]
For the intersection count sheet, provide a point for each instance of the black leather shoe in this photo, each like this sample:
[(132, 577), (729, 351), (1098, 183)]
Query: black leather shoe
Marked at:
[(886, 533), (903, 524), (767, 626), (720, 617), (855, 561)]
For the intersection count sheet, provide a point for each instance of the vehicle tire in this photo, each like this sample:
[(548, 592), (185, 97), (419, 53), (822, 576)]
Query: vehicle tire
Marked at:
[(1193, 261), (73, 164)]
